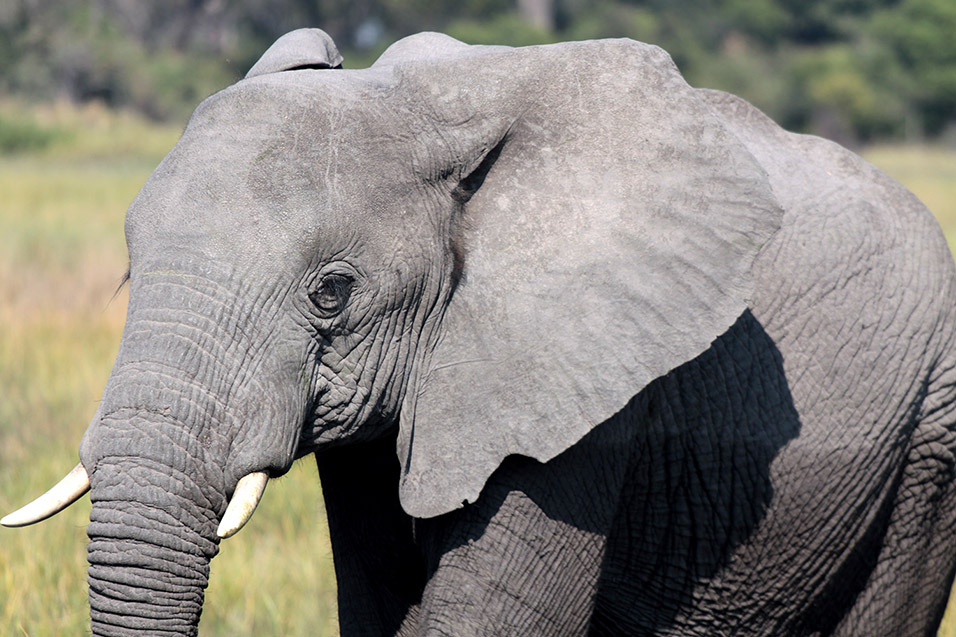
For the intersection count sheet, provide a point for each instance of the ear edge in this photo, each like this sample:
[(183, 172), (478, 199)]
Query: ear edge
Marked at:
[(461, 194), (312, 66), (473, 180), (297, 50)]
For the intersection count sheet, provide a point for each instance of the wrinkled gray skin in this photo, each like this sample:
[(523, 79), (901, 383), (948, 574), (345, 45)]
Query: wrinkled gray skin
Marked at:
[(578, 349)]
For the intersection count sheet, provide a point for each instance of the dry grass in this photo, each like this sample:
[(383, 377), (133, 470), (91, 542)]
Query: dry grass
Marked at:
[(61, 258)]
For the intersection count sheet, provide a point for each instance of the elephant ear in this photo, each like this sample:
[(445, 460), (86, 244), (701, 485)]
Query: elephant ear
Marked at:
[(431, 46), (607, 231), (299, 49)]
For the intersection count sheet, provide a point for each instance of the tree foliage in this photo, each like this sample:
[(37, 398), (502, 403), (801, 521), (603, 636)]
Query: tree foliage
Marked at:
[(855, 70)]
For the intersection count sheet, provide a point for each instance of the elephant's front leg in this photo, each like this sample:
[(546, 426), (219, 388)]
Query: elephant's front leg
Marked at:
[(379, 571), (525, 559), (518, 573)]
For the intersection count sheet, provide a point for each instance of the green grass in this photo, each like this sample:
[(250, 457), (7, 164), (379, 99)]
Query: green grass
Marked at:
[(61, 258)]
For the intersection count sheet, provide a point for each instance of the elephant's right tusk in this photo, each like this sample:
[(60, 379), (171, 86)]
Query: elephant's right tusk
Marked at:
[(67, 491), (243, 504)]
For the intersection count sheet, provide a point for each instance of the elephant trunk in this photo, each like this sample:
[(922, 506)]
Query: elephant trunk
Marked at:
[(157, 490), (149, 553), (186, 414)]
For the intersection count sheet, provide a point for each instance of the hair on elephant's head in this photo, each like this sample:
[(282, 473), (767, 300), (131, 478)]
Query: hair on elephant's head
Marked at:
[(488, 250)]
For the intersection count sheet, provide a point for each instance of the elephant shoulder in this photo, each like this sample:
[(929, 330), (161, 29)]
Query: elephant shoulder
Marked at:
[(811, 175), (857, 256), (843, 217)]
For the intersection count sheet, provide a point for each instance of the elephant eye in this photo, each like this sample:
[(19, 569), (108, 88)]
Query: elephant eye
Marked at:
[(331, 294)]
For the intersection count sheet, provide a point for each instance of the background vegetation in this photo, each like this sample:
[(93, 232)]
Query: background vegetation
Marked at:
[(94, 92), (853, 70)]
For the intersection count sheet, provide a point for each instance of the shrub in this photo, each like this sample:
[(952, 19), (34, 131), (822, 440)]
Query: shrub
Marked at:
[(20, 134)]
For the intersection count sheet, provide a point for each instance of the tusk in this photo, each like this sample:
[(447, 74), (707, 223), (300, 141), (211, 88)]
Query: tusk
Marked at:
[(243, 504), (66, 492)]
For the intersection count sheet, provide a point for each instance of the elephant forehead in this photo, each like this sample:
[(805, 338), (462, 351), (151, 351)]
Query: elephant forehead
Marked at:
[(266, 167)]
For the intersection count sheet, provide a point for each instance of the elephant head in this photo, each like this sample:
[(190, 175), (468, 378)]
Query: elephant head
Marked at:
[(482, 251)]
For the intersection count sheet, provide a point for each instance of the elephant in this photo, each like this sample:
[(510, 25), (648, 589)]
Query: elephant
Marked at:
[(577, 348)]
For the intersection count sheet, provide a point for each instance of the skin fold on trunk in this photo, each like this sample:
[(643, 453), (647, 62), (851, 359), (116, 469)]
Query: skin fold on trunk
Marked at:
[(157, 491), (149, 555)]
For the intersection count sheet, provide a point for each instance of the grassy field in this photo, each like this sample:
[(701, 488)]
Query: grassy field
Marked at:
[(61, 258)]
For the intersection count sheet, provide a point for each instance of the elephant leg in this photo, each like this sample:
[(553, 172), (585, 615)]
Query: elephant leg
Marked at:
[(525, 558), (378, 569), (908, 588)]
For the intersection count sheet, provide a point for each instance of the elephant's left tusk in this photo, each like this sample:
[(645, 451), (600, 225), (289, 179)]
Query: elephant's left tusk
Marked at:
[(67, 491), (243, 504)]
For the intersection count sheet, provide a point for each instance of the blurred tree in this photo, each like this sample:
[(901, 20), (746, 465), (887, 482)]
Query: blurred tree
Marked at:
[(854, 69), (506, 28), (839, 100), (922, 34), (538, 13), (764, 20)]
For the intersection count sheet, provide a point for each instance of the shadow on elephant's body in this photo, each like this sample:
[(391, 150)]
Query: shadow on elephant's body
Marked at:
[(678, 480)]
